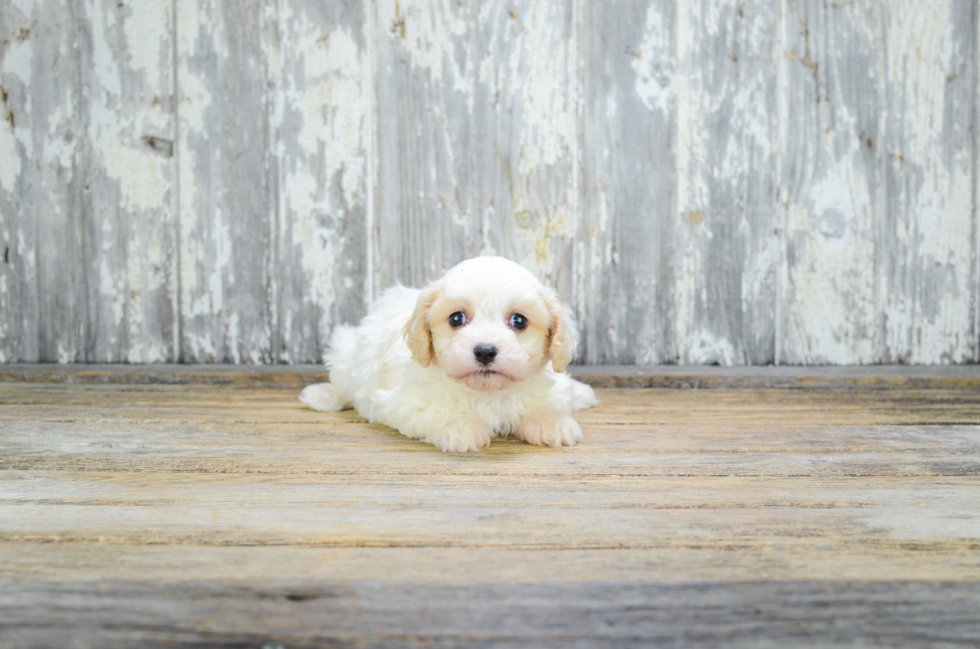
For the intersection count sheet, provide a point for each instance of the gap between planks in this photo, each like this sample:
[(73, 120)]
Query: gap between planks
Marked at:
[(607, 376)]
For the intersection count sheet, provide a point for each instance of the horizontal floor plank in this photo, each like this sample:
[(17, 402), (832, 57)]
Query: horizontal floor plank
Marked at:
[(82, 563), (566, 614), (188, 514)]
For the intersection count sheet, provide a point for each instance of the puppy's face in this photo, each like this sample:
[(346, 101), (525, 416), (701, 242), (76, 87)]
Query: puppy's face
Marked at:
[(488, 323)]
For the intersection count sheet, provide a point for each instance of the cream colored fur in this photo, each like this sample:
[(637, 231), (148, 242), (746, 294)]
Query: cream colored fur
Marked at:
[(406, 367)]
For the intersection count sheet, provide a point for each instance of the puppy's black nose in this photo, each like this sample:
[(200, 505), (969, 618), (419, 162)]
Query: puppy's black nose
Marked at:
[(485, 353)]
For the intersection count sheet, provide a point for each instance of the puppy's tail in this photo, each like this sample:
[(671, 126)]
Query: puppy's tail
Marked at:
[(331, 397), (583, 396)]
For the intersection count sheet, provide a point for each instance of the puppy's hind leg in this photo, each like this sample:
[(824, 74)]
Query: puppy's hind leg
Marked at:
[(325, 397), (584, 396)]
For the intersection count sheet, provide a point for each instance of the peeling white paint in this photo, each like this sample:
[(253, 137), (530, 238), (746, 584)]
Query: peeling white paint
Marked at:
[(652, 62), (527, 70), (112, 286), (195, 99), (689, 155), (143, 37), (9, 158), (128, 91), (547, 119), (706, 349), (18, 60), (427, 30), (16, 65), (216, 280), (58, 149), (929, 324), (26, 7), (836, 182), (143, 181), (331, 103), (234, 335), (105, 32), (322, 116), (830, 310)]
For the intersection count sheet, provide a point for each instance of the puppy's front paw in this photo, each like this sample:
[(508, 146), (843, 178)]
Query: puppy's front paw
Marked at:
[(549, 430), (461, 436)]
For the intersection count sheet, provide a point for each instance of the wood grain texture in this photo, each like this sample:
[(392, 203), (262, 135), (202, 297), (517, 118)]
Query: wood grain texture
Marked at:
[(44, 289), (127, 113), (830, 114), (185, 515), (477, 138), (726, 249), (322, 120), (19, 301), (527, 147), (580, 615), (87, 143), (927, 240), (424, 221), (228, 180), (625, 269), (710, 182)]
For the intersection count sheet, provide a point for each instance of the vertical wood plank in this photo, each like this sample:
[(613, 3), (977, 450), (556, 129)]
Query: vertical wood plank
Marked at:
[(19, 305), (42, 285), (424, 222), (927, 243), (127, 166), (525, 132), (829, 123), (621, 150), (322, 125), (227, 180), (624, 243), (975, 262), (478, 138), (727, 245)]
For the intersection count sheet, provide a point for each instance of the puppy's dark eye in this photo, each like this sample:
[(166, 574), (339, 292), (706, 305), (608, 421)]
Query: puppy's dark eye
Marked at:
[(519, 322), (457, 319)]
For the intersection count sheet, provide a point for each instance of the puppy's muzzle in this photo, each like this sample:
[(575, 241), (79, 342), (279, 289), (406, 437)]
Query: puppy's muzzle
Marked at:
[(485, 354)]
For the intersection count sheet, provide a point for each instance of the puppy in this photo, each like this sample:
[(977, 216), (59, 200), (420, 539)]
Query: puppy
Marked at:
[(478, 354)]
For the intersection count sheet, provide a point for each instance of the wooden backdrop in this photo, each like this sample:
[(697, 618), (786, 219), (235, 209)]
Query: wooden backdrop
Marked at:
[(713, 181)]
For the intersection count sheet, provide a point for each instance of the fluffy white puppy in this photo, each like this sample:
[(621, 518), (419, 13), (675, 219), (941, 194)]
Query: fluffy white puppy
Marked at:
[(478, 354)]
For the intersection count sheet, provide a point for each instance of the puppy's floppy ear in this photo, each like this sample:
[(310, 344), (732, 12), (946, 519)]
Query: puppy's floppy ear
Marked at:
[(562, 334), (416, 332)]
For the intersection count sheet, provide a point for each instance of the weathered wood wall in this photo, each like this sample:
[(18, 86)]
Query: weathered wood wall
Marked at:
[(715, 181)]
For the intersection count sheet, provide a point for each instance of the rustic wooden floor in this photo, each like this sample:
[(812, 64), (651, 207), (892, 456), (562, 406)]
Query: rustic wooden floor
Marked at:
[(201, 515)]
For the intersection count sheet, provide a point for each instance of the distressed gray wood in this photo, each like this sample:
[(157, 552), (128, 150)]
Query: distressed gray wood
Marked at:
[(45, 314), (87, 239), (625, 272), (228, 180), (306, 613), (477, 138), (424, 221), (726, 247), (525, 129), (711, 182), (322, 120), (19, 301), (208, 515), (129, 267), (927, 237), (830, 114)]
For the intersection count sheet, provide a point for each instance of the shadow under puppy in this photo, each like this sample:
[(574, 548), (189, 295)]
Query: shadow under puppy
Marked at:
[(478, 354)]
